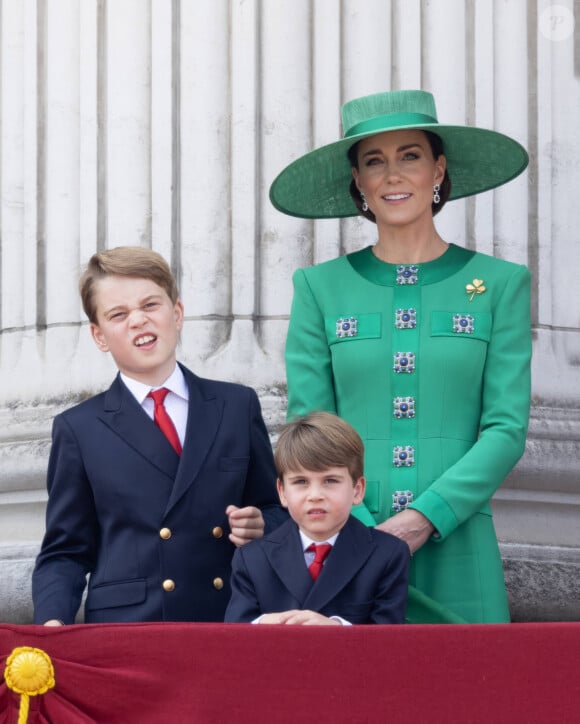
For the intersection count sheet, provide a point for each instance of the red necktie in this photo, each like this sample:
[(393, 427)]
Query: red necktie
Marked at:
[(320, 553), (162, 419)]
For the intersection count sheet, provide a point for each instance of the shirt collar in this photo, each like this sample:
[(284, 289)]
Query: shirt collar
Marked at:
[(307, 542), (175, 383)]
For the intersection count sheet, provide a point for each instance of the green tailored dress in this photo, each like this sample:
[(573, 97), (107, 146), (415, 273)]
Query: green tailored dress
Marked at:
[(430, 363)]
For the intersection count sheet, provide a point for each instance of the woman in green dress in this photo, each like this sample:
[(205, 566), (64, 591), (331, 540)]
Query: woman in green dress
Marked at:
[(422, 345)]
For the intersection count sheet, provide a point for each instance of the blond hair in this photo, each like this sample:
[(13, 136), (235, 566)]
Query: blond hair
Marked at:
[(317, 442), (125, 261)]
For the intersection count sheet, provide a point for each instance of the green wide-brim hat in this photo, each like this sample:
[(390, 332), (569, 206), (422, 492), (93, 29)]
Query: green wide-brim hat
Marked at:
[(316, 185)]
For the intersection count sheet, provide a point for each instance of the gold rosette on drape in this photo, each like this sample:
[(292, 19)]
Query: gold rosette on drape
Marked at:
[(29, 672)]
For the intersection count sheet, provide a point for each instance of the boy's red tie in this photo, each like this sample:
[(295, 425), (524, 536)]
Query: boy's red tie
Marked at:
[(162, 419), (320, 552)]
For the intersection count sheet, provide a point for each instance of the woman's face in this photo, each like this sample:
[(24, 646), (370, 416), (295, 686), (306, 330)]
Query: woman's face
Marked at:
[(396, 173)]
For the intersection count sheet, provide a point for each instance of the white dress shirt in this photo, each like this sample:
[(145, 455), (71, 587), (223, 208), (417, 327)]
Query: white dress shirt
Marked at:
[(309, 557), (307, 542), (176, 403)]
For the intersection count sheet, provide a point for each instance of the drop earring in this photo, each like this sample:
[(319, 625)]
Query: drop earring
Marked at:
[(436, 197), (365, 206)]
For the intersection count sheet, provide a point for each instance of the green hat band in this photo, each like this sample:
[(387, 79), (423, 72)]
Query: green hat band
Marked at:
[(383, 123)]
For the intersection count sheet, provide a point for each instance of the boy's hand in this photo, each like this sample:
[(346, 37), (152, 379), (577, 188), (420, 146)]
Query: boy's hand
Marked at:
[(299, 618), (245, 523)]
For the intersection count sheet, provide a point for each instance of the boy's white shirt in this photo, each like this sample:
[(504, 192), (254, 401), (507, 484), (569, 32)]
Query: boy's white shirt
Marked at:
[(176, 403), (307, 542)]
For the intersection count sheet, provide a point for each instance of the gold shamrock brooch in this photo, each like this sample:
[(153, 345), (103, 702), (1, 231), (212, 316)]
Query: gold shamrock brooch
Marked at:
[(476, 287)]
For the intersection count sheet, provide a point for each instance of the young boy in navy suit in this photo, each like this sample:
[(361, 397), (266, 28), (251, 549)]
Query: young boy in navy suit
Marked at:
[(153, 483), (364, 576)]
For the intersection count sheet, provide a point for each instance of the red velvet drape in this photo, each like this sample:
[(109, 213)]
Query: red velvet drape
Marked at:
[(165, 673)]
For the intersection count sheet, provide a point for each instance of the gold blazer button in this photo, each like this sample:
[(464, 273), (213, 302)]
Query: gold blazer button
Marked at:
[(218, 584), (217, 532), (165, 533), (168, 585)]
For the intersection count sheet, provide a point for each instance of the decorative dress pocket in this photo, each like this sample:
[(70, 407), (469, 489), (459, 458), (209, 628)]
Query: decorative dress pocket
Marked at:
[(461, 324), (351, 327)]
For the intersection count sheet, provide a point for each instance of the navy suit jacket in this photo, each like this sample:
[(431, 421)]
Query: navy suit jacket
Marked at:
[(150, 527), (364, 578)]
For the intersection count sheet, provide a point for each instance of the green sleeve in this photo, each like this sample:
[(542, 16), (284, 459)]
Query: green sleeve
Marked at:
[(308, 361), (465, 487)]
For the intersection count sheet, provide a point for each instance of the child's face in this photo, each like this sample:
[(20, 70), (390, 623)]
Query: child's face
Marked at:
[(139, 325), (320, 502)]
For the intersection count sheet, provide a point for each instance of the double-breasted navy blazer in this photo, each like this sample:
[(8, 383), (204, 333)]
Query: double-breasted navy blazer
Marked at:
[(149, 527), (364, 578)]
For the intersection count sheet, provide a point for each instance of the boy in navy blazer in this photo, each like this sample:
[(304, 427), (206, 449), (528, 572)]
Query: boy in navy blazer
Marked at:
[(364, 576), (149, 498)]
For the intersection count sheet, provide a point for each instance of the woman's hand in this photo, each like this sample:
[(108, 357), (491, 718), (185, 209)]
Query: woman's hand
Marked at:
[(411, 526)]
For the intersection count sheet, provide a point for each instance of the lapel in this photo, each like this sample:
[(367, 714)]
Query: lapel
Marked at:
[(283, 549), (123, 414), (353, 547), (203, 419)]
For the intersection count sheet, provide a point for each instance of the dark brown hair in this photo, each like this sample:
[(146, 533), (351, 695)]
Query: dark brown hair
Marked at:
[(317, 442), (436, 145), (125, 261)]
